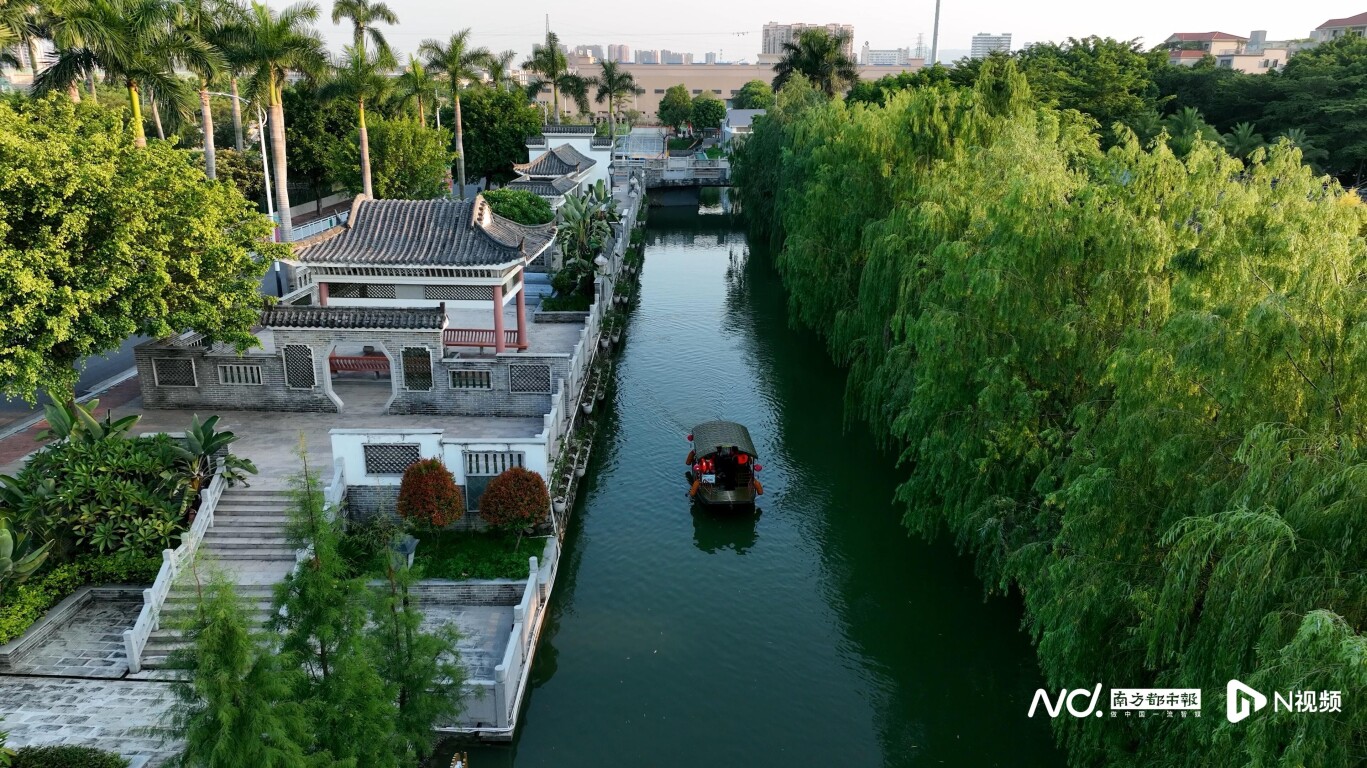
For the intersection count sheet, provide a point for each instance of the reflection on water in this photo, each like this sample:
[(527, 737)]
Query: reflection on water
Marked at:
[(720, 530)]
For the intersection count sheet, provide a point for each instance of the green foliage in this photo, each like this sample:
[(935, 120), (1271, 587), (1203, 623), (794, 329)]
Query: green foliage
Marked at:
[(20, 555), (408, 161), (707, 113), (76, 421), (818, 56), (755, 94), (67, 756), (571, 302), (515, 500), (100, 240), (429, 496), (233, 701), (6, 754), (497, 124), (878, 91), (1323, 91), (676, 107), (1128, 382), (26, 603), (242, 170), (520, 205)]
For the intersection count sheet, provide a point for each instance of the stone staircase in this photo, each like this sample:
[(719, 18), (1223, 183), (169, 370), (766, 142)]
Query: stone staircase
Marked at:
[(247, 543)]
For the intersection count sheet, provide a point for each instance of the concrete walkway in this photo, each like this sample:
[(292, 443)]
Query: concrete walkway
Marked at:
[(116, 715)]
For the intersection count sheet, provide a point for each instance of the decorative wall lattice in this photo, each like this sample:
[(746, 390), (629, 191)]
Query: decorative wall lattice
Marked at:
[(389, 458), (472, 380), (490, 463), (458, 292), (174, 372), (529, 379), (360, 291), (239, 373), (299, 367), (417, 369)]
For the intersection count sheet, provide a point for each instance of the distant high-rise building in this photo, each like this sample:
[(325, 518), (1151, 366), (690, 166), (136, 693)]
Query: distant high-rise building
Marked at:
[(619, 53), (884, 57), (710, 57), (775, 35), (647, 57), (675, 57), (984, 43), (596, 51)]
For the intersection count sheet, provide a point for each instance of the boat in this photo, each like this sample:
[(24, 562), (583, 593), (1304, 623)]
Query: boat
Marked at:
[(722, 465)]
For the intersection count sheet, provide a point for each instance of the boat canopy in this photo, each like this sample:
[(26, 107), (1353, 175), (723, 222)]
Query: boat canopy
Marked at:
[(710, 435)]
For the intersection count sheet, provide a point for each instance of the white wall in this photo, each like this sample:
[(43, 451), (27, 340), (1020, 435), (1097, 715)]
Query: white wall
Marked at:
[(347, 447)]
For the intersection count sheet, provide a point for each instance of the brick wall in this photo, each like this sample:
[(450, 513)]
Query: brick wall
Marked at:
[(270, 395)]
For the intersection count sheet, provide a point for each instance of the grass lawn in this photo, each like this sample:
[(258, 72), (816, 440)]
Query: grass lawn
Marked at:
[(460, 555), (715, 153)]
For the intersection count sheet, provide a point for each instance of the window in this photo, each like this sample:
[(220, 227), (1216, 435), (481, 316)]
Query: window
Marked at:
[(659, 90), (458, 292), (483, 466), (716, 91), (299, 367), (697, 91), (471, 380), (417, 369), (360, 291), (389, 458), (174, 372), (239, 373), (534, 379)]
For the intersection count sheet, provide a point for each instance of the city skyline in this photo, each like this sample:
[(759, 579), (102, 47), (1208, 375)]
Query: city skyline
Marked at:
[(883, 25)]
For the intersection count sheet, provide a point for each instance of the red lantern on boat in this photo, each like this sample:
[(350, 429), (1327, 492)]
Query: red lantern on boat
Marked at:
[(690, 437), (758, 467), (742, 459)]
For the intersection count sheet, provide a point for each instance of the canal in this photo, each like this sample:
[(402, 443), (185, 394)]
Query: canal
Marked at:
[(816, 634)]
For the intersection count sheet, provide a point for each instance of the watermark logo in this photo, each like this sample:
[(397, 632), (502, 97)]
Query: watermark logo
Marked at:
[(1067, 698), (1242, 701)]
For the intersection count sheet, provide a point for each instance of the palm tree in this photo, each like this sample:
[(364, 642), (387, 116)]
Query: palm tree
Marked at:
[(274, 44), (1185, 127), (210, 22), (364, 15), (136, 41), (497, 67), (1311, 154), (820, 57), (553, 71), (19, 24), (416, 85), (614, 86), (7, 39), (1243, 141), (361, 78), (458, 62)]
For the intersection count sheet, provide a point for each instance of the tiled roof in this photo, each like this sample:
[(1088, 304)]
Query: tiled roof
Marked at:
[(559, 161), (545, 187), (428, 232), (1352, 21), (1201, 37), (405, 318), (569, 130)]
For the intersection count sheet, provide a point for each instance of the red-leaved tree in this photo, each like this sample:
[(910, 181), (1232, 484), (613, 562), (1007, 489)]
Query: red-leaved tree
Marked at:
[(514, 500), (428, 494)]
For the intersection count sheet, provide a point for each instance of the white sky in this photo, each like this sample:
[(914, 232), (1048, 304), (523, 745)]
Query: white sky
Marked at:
[(734, 28)]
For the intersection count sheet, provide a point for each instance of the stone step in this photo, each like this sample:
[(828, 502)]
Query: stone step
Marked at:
[(253, 553), (225, 541), (255, 533), (248, 504)]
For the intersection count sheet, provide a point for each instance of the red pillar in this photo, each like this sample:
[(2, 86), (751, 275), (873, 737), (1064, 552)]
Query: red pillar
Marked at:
[(521, 313), (498, 319), (322, 294)]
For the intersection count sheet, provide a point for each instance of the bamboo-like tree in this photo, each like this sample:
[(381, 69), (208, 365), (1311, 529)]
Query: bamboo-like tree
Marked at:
[(415, 85), (136, 41), (458, 62), (553, 71), (361, 78), (820, 57), (274, 44), (364, 15), (615, 85)]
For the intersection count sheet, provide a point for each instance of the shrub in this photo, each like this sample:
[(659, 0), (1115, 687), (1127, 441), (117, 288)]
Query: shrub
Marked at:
[(26, 603), (67, 756), (520, 205), (428, 494), (515, 499)]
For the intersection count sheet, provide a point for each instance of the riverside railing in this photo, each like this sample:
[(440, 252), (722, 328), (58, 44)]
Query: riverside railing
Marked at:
[(321, 225), (172, 561), (510, 676)]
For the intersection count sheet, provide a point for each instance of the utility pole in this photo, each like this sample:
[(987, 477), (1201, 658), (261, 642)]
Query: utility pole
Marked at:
[(935, 36)]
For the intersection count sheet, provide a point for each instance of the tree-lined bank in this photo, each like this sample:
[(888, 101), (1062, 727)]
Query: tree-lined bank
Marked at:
[(1127, 381)]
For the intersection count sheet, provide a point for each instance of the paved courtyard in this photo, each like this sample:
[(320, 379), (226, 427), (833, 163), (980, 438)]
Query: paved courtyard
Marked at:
[(89, 644), (118, 715)]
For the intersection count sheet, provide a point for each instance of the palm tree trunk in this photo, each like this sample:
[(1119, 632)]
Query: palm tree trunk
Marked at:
[(422, 114), (237, 115), (209, 157), (90, 86), (73, 93), (156, 119), (282, 189), (358, 37), (134, 99), (555, 101), (460, 149), (366, 187)]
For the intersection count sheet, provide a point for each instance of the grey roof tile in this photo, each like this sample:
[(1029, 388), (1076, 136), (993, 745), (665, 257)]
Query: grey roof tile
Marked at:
[(399, 318), (428, 233), (559, 161), (555, 187)]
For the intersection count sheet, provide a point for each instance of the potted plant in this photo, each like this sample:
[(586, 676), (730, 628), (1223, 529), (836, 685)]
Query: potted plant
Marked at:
[(558, 504)]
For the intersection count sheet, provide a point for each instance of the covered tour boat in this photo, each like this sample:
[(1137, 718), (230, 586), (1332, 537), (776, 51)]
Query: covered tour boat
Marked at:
[(722, 465)]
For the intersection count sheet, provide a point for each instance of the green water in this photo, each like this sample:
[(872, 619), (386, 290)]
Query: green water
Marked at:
[(816, 634)]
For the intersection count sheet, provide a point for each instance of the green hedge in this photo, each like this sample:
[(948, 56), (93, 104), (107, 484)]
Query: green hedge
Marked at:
[(27, 602), (67, 756)]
